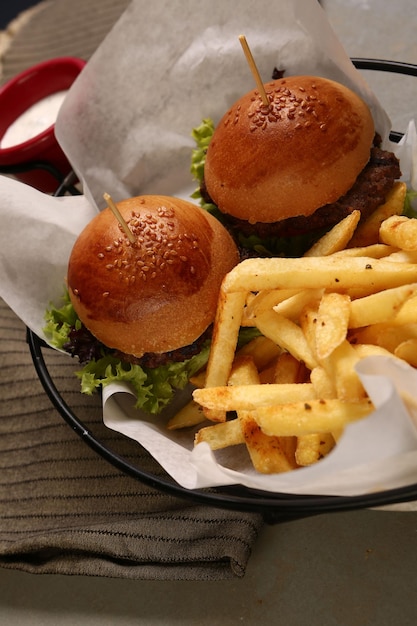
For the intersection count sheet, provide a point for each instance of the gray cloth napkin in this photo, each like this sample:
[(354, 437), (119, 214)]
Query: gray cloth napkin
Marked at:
[(65, 510)]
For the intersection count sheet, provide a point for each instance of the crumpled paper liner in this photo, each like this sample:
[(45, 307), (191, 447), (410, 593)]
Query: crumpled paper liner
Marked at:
[(126, 128), (373, 454), (127, 121)]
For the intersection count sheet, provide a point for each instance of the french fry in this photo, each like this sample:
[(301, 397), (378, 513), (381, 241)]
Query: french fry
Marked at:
[(364, 350), (373, 251), (367, 232), (407, 350), (221, 435), (287, 335), (223, 345), (402, 256), (380, 307), (340, 366), (225, 434), (190, 415), (337, 273), (267, 375), (199, 380), (288, 369), (251, 397), (332, 323), (292, 307), (407, 313), (308, 323), (266, 300), (262, 350), (325, 388), (337, 238), (311, 448), (384, 335), (225, 336), (244, 371), (323, 384), (315, 416), (400, 231), (268, 454)]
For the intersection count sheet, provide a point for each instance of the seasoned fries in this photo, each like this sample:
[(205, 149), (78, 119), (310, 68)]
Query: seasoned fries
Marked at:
[(399, 231), (368, 231), (289, 394), (337, 238)]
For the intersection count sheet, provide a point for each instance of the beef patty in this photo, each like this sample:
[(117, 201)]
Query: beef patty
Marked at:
[(368, 192)]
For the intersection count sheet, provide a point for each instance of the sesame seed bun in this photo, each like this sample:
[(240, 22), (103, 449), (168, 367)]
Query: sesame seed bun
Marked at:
[(266, 163), (159, 293)]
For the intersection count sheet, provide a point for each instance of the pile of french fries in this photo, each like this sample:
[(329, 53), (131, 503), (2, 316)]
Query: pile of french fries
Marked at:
[(288, 394)]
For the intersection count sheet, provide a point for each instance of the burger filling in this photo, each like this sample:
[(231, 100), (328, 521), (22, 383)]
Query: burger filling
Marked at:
[(154, 377), (293, 236)]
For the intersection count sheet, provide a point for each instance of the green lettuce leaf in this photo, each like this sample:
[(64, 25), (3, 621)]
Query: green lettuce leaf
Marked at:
[(59, 321), (154, 387), (410, 198)]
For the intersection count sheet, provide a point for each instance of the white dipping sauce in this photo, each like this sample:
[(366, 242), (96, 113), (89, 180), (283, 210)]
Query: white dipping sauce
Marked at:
[(34, 120)]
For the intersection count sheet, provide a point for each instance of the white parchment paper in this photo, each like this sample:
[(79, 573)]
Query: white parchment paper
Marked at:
[(126, 128)]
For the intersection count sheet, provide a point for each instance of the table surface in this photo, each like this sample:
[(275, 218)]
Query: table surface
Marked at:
[(344, 569)]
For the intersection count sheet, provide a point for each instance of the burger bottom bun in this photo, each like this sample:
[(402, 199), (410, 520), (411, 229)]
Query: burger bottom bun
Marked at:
[(159, 293)]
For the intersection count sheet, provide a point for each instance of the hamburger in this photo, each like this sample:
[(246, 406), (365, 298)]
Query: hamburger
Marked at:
[(281, 173), (140, 307)]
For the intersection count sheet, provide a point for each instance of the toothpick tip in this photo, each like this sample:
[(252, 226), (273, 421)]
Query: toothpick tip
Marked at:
[(113, 207)]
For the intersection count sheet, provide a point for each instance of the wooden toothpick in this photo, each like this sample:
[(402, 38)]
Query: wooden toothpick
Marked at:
[(112, 206), (254, 69)]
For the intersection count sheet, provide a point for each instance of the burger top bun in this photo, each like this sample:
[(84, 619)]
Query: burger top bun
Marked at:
[(158, 293), (266, 163)]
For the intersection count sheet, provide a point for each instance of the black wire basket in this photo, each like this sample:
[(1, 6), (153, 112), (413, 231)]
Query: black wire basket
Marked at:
[(273, 506)]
